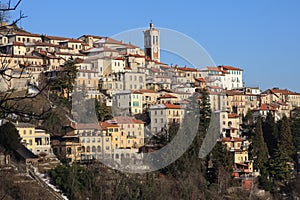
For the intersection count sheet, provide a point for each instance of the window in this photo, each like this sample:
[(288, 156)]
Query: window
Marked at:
[(107, 139), (30, 142)]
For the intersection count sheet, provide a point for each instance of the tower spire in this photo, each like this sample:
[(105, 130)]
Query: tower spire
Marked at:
[(151, 24)]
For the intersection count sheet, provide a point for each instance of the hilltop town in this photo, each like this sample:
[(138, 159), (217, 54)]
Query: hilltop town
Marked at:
[(138, 96)]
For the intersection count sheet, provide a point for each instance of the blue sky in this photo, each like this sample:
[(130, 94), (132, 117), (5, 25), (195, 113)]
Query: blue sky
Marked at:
[(261, 37)]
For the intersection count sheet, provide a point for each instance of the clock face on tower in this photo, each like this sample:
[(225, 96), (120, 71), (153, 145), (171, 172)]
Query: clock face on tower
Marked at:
[(155, 49)]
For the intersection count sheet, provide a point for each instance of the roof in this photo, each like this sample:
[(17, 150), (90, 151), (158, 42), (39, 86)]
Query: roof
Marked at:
[(26, 153), (127, 120), (24, 125), (233, 115), (266, 107), (187, 69), (166, 96), (172, 106), (280, 91), (230, 68), (200, 80), (108, 124), (26, 34), (86, 126)]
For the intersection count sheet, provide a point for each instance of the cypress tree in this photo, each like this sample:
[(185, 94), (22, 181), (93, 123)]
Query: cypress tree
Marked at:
[(270, 133), (260, 150), (281, 166)]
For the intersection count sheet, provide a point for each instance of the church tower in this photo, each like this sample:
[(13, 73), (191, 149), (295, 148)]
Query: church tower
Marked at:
[(152, 43)]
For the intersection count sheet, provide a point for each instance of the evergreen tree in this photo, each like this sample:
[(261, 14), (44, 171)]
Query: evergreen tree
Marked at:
[(281, 165), (9, 137), (103, 112), (260, 153), (284, 141), (270, 133), (219, 167), (295, 128), (65, 81)]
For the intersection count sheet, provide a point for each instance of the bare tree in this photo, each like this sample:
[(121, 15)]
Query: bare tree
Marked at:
[(12, 102)]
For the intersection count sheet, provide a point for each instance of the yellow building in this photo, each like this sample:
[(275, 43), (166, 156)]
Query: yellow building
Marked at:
[(113, 130), (239, 151), (36, 140), (126, 132), (26, 132), (95, 141)]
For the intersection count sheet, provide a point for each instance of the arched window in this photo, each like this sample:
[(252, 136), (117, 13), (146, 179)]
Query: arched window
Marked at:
[(93, 149), (88, 149), (98, 148)]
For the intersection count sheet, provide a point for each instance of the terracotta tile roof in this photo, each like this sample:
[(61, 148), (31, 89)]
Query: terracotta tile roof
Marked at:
[(108, 40), (233, 115), (26, 34), (234, 139), (86, 126), (187, 69), (136, 92), (213, 69), (167, 96), (172, 106), (280, 91), (230, 68), (266, 107), (105, 125), (55, 37), (200, 80)]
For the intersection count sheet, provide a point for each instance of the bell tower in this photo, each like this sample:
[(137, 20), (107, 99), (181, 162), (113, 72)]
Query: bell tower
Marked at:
[(152, 43)]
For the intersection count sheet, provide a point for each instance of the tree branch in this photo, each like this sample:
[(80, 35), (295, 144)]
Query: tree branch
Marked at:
[(9, 8)]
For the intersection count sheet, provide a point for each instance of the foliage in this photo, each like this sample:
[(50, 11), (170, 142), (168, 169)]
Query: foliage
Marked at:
[(75, 181), (270, 133), (9, 137), (281, 165), (219, 167), (295, 129), (103, 112), (65, 80)]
